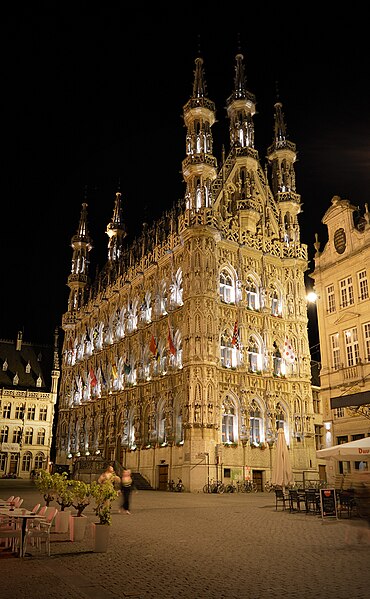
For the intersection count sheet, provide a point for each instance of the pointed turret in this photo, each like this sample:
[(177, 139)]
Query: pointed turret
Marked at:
[(241, 167), (116, 231), (199, 167), (79, 277), (282, 155), (241, 106)]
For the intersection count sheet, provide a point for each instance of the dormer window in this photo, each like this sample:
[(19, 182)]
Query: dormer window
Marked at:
[(39, 381), (16, 379), (28, 367), (5, 365)]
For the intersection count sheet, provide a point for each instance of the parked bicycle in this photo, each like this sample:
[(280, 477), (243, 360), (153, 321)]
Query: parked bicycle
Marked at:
[(214, 486), (230, 488), (270, 487), (247, 486)]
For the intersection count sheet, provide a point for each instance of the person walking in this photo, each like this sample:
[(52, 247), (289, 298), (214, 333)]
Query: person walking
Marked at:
[(126, 489), (108, 475)]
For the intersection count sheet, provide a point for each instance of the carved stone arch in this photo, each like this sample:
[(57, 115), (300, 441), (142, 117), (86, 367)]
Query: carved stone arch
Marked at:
[(253, 276), (227, 266)]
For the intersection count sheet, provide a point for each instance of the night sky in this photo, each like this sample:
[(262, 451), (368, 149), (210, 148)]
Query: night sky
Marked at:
[(93, 103)]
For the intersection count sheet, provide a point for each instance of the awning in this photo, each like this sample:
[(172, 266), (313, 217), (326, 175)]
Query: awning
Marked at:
[(346, 401)]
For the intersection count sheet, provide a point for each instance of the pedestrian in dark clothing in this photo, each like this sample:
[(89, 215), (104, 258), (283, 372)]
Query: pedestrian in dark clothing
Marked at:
[(126, 489)]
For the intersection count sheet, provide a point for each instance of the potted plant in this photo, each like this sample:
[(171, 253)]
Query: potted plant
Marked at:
[(103, 493), (81, 499), (64, 498), (45, 484)]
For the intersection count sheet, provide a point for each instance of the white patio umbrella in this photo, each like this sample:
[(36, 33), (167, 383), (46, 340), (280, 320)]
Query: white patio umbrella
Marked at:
[(354, 450), (282, 473)]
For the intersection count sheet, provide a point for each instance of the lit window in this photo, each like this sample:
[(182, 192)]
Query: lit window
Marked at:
[(351, 343), (227, 290)]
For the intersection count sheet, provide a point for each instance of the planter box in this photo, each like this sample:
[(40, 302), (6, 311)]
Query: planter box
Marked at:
[(101, 537), (62, 521), (77, 527)]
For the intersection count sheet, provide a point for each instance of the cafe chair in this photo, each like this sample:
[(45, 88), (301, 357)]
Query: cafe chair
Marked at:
[(35, 509), (12, 537), (295, 500), (280, 498), (346, 504), (39, 535), (312, 502)]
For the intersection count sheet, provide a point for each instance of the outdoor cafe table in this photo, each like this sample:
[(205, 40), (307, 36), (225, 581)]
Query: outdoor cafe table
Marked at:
[(24, 515)]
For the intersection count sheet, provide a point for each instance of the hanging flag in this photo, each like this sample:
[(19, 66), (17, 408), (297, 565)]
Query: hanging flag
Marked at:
[(114, 371), (171, 345), (288, 352), (87, 336), (153, 346), (235, 339), (103, 378), (93, 379)]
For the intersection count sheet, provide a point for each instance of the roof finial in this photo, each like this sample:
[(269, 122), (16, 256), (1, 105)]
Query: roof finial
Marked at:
[(199, 47), (239, 44), (277, 90)]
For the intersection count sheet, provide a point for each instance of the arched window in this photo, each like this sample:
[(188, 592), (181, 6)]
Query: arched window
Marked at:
[(256, 424), (6, 410), (280, 417), (228, 351), (179, 432), (227, 287), (26, 462), (17, 434), (4, 432), (276, 308), (252, 294), (254, 355), (28, 436), (162, 432), (229, 422), (277, 359), (39, 459), (41, 437)]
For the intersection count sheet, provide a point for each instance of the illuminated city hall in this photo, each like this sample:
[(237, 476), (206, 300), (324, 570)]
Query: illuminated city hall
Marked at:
[(189, 349)]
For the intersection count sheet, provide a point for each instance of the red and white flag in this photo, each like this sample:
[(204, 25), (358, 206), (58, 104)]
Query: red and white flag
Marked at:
[(235, 339), (153, 346), (170, 342), (93, 379), (288, 352)]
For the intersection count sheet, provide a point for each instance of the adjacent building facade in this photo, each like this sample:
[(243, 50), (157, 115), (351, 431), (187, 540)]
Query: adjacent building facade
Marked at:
[(341, 278), (188, 351), (29, 376)]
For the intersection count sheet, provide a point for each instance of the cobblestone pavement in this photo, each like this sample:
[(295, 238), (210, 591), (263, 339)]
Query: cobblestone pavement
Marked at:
[(198, 546)]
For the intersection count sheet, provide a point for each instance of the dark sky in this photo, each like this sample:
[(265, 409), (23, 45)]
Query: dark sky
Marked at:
[(94, 98)]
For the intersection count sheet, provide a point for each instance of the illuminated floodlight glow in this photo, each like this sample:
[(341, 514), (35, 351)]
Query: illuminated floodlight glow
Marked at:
[(311, 297)]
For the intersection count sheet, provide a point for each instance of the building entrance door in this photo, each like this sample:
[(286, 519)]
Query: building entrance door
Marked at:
[(257, 478), (162, 477)]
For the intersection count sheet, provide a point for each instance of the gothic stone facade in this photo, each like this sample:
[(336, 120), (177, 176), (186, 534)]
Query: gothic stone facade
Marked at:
[(175, 354)]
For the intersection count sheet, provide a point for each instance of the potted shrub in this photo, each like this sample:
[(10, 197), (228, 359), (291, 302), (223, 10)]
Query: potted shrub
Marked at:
[(81, 499), (45, 484), (64, 498), (103, 493)]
